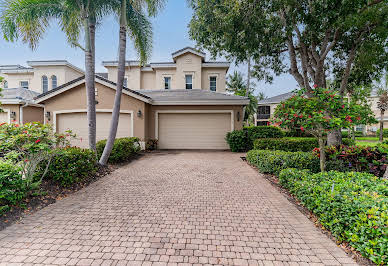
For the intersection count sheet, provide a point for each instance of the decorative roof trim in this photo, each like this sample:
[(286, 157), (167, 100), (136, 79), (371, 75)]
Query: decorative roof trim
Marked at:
[(116, 63), (16, 71), (163, 65), (54, 63), (216, 64), (203, 102), (188, 50)]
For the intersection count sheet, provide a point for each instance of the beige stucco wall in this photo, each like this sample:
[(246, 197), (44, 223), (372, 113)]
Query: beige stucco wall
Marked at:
[(153, 109), (75, 99), (188, 64), (220, 73), (147, 80), (12, 108), (33, 114), (64, 74)]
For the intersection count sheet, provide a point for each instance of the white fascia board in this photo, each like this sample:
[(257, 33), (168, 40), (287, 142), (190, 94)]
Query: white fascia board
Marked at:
[(17, 71), (116, 63), (147, 69), (204, 102), (54, 63), (188, 50), (11, 101), (216, 64), (158, 65), (48, 96)]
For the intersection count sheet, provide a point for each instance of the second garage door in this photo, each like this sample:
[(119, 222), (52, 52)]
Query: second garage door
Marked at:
[(193, 130), (77, 122), (4, 117)]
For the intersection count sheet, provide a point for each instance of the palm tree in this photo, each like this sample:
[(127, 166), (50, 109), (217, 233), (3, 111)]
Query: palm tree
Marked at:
[(29, 19), (132, 20)]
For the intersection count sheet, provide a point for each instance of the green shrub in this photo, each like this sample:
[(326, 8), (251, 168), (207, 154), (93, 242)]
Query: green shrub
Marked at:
[(273, 162), (237, 140), (348, 142), (123, 149), (71, 165), (353, 206), (385, 133), (13, 187), (345, 134), (297, 133), (242, 140), (286, 144)]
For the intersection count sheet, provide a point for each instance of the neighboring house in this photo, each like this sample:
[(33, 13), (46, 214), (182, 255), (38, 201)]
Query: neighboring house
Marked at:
[(187, 70), (19, 106), (40, 76), (182, 104), (266, 109)]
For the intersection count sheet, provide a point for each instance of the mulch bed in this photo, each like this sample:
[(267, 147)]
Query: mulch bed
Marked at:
[(274, 181), (48, 194)]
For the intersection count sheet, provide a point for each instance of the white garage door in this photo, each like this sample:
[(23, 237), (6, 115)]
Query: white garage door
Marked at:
[(193, 131), (77, 122), (4, 117)]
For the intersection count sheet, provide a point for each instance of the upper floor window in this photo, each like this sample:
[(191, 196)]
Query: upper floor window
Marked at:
[(5, 84), (263, 112), (189, 82), (213, 83), (167, 83), (54, 82), (44, 83), (125, 82), (24, 84)]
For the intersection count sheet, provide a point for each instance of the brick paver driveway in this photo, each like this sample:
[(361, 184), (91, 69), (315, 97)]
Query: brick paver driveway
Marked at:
[(176, 207)]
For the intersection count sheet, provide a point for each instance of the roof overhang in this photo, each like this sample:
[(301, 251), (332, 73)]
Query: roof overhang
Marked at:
[(116, 63), (41, 63), (216, 64), (163, 65), (12, 101), (188, 50), (18, 71), (203, 102), (100, 80)]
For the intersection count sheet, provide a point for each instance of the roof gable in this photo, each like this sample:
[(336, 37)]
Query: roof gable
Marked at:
[(188, 50)]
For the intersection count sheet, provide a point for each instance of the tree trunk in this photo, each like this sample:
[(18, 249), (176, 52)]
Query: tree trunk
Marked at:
[(89, 82), (322, 154), (120, 82), (334, 138), (381, 137)]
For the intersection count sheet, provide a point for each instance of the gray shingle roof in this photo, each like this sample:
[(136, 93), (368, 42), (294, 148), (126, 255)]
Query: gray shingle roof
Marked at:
[(189, 95), (19, 94), (277, 98)]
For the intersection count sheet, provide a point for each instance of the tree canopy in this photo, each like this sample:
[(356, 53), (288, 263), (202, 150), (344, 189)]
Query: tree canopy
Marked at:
[(311, 39)]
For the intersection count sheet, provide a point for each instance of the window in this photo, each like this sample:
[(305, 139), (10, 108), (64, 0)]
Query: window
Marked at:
[(44, 83), (24, 84), (54, 82), (213, 83), (5, 84), (263, 112), (167, 83), (125, 82), (189, 82)]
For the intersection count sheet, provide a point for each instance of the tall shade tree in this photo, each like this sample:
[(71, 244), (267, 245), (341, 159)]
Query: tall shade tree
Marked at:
[(310, 39), (135, 23), (29, 19)]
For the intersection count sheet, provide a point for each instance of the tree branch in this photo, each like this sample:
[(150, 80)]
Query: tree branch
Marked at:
[(303, 56), (76, 44), (331, 45)]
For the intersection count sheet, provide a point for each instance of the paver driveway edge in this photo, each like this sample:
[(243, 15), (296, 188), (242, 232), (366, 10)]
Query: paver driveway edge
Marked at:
[(172, 208)]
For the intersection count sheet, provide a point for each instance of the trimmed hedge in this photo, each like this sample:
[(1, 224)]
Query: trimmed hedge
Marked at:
[(242, 140), (353, 206), (71, 165), (273, 162), (123, 149), (345, 134), (286, 144), (297, 133), (13, 187)]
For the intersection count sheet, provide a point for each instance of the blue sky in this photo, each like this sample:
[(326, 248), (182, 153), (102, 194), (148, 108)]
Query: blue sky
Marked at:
[(170, 34)]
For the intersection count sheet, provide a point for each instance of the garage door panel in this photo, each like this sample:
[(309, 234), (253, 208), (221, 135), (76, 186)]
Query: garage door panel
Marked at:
[(193, 131), (78, 124)]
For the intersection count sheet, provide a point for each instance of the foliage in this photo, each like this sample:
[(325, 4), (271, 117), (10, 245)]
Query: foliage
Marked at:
[(273, 162), (372, 160), (385, 132), (286, 144), (345, 134), (296, 132), (70, 165), (242, 140), (323, 111), (13, 187), (353, 206), (151, 144), (123, 149), (312, 40), (30, 145), (348, 142)]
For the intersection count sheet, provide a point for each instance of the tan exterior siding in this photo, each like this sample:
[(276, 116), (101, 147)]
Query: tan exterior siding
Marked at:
[(33, 114), (148, 80), (220, 73), (15, 79), (12, 108), (188, 64)]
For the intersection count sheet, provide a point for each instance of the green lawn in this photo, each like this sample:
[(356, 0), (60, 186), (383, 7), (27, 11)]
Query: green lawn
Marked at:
[(367, 143), (368, 138)]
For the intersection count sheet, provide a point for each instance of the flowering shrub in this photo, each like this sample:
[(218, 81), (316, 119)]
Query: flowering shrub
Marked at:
[(29, 145), (353, 206), (372, 160), (320, 111)]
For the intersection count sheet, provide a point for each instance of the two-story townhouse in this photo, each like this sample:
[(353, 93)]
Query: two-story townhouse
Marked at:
[(182, 103), (266, 109)]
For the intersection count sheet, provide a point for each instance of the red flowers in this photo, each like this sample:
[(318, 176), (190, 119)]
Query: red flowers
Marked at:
[(295, 115), (343, 106), (309, 116), (348, 118), (315, 86), (302, 128), (2, 124), (358, 118), (37, 141)]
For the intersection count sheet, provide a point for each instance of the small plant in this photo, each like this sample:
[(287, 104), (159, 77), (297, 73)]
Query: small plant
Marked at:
[(151, 144), (123, 149)]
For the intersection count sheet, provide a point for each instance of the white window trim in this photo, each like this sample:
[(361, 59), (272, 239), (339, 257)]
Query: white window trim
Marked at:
[(20, 83), (55, 113), (166, 76), (9, 115), (47, 79), (231, 112), (211, 76), (192, 79), (56, 81)]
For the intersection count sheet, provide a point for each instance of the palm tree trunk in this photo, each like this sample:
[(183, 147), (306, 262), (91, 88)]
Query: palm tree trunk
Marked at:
[(89, 82), (381, 137), (322, 154), (120, 81)]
